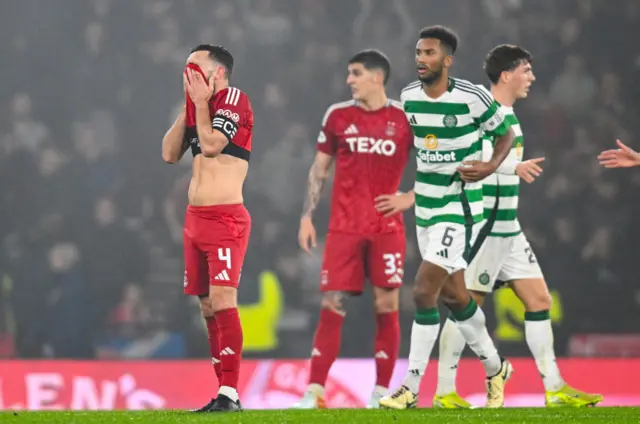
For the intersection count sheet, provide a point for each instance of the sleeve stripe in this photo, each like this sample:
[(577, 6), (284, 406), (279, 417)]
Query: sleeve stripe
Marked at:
[(476, 87), (233, 95), (470, 88), (236, 98), (477, 93), (333, 107), (414, 84)]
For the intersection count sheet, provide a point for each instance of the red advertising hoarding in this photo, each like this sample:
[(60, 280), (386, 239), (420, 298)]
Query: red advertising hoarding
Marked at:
[(267, 384)]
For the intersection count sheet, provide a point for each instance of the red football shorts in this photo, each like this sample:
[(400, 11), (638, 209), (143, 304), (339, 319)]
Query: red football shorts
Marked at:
[(215, 242), (350, 258)]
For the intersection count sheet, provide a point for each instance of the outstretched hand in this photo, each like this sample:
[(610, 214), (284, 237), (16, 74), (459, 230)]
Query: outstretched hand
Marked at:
[(529, 169), (624, 157)]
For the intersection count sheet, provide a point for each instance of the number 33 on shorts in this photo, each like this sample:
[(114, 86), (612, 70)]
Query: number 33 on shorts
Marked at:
[(393, 267)]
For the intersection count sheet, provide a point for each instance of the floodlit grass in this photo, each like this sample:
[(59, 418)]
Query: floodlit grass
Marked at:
[(334, 416)]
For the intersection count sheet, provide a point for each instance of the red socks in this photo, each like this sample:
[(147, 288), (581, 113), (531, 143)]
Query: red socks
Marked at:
[(230, 346), (326, 345), (387, 344), (214, 346)]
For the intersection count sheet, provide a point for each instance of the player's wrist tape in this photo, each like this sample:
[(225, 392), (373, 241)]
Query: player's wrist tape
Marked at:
[(226, 126)]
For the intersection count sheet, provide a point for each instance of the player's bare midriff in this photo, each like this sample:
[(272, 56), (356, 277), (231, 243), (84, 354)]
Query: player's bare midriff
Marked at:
[(217, 181)]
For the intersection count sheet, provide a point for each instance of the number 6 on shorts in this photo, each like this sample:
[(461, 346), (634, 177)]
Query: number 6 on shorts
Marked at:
[(447, 239)]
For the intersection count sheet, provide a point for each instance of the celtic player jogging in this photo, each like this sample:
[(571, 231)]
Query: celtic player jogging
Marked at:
[(447, 116), (506, 255)]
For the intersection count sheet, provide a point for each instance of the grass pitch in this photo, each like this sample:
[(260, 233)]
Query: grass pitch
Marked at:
[(334, 416)]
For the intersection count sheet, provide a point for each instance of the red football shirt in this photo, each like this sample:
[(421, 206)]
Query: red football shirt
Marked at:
[(370, 149), (231, 114)]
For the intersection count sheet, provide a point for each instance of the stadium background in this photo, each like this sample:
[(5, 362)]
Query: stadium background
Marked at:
[(91, 218)]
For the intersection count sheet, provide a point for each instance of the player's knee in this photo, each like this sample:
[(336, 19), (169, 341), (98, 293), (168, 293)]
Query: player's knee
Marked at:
[(428, 284), (206, 308), (448, 298), (454, 292), (456, 304), (335, 301), (424, 296), (386, 300), (538, 302), (222, 298), (533, 293)]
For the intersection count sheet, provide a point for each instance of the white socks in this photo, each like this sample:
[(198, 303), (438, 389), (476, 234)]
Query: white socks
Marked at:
[(316, 389), (379, 391), (539, 335), (472, 324), (424, 334), (229, 392), (452, 345)]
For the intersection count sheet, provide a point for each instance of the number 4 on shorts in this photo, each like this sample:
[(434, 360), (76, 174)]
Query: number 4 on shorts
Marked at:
[(224, 254)]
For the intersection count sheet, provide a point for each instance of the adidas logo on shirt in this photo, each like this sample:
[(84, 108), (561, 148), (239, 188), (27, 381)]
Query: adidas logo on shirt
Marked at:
[(351, 130), (413, 120), (227, 351), (223, 276), (315, 352)]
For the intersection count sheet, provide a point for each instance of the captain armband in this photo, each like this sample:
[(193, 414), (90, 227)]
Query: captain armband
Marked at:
[(226, 126)]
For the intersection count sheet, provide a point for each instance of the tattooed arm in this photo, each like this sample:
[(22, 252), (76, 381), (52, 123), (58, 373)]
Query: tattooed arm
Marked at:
[(318, 175)]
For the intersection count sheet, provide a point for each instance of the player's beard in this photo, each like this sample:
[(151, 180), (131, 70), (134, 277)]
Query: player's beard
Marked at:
[(431, 76)]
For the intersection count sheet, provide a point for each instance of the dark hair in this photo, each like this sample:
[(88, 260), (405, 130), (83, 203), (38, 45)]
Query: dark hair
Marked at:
[(504, 58), (218, 54), (447, 37), (373, 59)]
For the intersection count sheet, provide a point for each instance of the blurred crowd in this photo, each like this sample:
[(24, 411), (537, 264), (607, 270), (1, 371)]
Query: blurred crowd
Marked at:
[(91, 218)]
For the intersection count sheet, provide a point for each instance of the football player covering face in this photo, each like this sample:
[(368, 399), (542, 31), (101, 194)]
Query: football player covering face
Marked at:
[(217, 125)]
